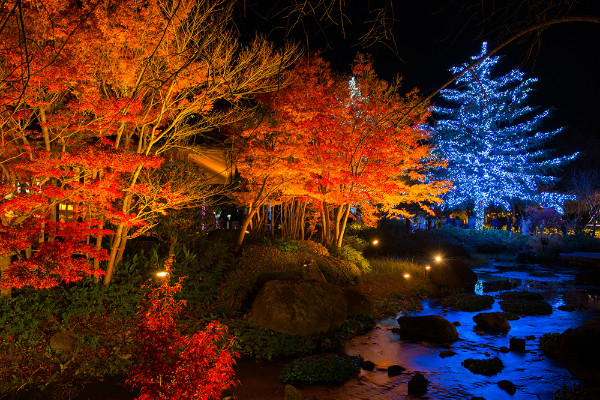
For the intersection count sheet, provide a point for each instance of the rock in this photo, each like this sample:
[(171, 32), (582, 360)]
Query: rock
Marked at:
[(357, 303), (578, 350), (507, 386), (447, 353), (311, 272), (429, 328), (530, 337), (453, 274), (291, 393), (417, 384), (486, 354), (368, 365), (468, 302), (525, 303), (499, 285), (565, 307), (456, 323), (517, 344), (487, 366), (395, 370), (504, 349), (588, 277), (63, 340), (491, 322), (299, 307), (477, 398), (528, 257)]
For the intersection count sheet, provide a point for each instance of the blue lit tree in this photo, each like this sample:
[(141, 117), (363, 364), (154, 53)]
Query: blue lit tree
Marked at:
[(490, 139)]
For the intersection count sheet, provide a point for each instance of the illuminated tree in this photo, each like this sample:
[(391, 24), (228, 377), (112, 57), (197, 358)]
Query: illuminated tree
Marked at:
[(343, 142), (491, 141), (93, 95)]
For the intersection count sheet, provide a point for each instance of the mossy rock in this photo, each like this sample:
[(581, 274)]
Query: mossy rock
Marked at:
[(468, 302), (321, 369), (520, 295), (486, 366), (527, 307), (338, 271), (511, 316), (548, 343)]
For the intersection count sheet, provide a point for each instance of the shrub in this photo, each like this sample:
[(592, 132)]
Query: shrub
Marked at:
[(96, 317), (468, 302), (173, 366), (356, 243), (328, 368), (352, 255)]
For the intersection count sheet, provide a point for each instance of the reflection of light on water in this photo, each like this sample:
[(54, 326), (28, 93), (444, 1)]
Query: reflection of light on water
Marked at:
[(479, 287)]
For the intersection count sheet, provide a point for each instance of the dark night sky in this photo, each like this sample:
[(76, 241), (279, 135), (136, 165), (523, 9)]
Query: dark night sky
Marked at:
[(433, 35)]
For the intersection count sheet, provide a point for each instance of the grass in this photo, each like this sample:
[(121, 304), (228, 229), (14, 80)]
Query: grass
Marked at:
[(391, 290)]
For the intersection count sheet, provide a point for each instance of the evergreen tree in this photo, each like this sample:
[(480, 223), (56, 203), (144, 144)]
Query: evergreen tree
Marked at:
[(491, 142)]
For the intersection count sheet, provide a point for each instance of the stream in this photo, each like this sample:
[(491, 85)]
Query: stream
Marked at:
[(535, 375)]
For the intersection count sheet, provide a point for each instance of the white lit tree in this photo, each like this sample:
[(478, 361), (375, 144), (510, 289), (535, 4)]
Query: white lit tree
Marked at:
[(490, 140)]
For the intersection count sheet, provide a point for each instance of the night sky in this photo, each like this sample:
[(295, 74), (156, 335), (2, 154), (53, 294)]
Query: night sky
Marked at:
[(430, 36)]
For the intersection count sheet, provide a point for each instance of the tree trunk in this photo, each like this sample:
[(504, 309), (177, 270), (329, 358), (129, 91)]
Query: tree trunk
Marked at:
[(240, 239), (478, 214), (344, 224), (110, 268), (325, 233), (4, 264)]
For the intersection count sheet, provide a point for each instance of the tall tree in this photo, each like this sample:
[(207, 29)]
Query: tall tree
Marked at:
[(490, 139), (345, 142)]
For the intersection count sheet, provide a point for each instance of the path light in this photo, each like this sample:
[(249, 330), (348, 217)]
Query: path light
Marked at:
[(406, 276), (375, 242), (428, 267), (438, 258), (162, 274)]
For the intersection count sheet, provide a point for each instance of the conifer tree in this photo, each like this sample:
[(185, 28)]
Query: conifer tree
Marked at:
[(490, 139)]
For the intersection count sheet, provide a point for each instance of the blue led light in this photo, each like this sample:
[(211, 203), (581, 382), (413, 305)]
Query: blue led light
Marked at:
[(491, 142)]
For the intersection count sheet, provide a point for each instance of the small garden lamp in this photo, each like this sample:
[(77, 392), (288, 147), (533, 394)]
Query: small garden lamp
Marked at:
[(162, 274), (375, 242), (406, 276), (438, 258)]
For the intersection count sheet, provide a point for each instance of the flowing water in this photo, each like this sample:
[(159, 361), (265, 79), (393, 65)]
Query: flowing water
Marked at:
[(535, 375)]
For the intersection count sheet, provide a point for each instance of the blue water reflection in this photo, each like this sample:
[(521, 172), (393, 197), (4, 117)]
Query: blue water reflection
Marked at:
[(535, 375)]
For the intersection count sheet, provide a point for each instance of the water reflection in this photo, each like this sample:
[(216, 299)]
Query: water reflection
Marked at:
[(535, 375)]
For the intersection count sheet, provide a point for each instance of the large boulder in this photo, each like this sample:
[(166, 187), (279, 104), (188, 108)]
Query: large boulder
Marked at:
[(357, 303), (299, 307), (429, 328), (453, 274), (492, 322), (578, 350)]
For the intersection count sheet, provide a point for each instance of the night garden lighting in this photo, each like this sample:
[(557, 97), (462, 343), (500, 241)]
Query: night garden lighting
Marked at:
[(490, 139)]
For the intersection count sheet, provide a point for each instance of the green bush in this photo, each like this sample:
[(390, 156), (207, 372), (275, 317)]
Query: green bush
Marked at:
[(468, 302), (356, 243), (98, 318), (352, 255), (328, 368)]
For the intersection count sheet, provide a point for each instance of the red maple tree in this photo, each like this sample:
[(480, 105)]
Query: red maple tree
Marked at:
[(344, 142), (93, 95)]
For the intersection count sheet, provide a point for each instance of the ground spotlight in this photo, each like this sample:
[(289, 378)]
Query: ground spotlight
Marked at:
[(162, 274), (406, 276), (438, 258), (375, 242), (428, 267)]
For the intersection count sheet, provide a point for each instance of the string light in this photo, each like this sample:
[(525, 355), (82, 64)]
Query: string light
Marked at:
[(491, 142)]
